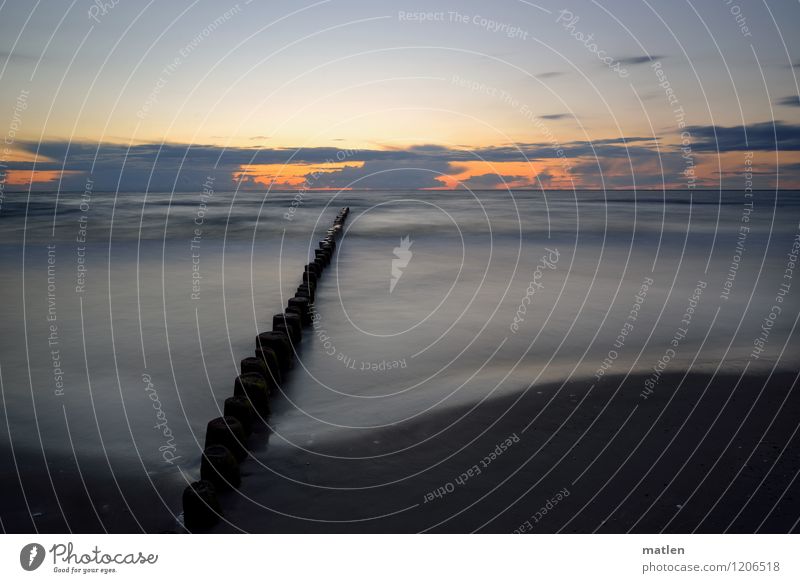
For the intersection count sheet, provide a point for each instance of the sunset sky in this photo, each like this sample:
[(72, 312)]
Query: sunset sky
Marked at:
[(345, 94)]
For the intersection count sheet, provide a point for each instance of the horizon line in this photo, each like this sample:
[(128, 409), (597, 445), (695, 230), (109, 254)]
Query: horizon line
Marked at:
[(321, 190)]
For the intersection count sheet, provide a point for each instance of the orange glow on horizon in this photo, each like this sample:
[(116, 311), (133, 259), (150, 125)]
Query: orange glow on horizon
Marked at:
[(549, 173), (28, 177), (506, 175), (291, 176)]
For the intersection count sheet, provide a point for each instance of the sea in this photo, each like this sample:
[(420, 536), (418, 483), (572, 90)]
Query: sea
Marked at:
[(126, 315)]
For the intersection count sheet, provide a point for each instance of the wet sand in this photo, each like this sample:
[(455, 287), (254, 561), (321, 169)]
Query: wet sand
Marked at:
[(58, 495), (588, 463)]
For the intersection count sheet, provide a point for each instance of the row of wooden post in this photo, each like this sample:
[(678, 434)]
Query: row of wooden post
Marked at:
[(261, 377)]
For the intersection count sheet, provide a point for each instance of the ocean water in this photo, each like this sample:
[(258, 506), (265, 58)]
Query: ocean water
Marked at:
[(125, 317)]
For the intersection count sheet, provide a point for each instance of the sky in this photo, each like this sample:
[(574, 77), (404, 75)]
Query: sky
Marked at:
[(338, 94)]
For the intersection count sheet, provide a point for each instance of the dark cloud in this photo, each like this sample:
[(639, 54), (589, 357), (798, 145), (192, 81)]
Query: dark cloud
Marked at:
[(550, 74), (85, 156), (758, 136), (169, 167), (764, 179), (791, 100), (644, 169), (639, 59), (555, 116), (145, 166), (427, 149), (181, 167)]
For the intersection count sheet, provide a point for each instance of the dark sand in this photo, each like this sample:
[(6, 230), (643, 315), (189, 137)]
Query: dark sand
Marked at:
[(641, 476), (86, 496)]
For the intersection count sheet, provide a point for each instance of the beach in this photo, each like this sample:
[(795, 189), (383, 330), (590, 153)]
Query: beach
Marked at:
[(701, 455), (601, 358)]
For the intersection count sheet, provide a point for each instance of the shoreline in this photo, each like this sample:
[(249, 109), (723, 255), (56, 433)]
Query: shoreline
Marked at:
[(504, 491), (484, 472)]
